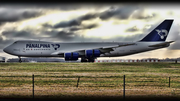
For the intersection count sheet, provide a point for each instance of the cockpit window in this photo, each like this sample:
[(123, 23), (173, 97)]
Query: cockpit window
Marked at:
[(15, 42)]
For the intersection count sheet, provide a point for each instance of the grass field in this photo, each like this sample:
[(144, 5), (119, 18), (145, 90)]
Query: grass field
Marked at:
[(96, 79)]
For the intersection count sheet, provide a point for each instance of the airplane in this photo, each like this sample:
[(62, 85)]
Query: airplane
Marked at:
[(89, 51)]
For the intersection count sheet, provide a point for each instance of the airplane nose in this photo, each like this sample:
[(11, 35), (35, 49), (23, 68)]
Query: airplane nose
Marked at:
[(5, 49)]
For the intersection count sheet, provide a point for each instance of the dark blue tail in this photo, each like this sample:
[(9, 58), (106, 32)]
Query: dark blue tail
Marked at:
[(160, 33)]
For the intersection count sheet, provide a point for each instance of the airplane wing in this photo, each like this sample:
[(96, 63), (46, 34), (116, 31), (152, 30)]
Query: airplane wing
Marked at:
[(103, 50), (161, 44)]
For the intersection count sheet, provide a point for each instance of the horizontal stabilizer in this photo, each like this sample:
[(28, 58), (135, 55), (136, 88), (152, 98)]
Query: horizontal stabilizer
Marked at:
[(161, 44)]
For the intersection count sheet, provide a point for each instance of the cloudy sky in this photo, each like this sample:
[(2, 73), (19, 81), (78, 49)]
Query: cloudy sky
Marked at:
[(89, 23)]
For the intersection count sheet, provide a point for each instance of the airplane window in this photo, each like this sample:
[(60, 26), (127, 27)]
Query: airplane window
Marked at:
[(15, 42)]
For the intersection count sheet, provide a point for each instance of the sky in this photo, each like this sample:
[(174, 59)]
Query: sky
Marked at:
[(88, 22)]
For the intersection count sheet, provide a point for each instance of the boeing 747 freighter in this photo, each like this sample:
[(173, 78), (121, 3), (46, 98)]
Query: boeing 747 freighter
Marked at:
[(89, 51)]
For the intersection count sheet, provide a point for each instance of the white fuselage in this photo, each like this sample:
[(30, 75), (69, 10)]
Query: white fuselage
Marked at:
[(20, 49)]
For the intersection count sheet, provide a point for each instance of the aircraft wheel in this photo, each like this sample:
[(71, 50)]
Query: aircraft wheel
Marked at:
[(83, 60), (90, 60)]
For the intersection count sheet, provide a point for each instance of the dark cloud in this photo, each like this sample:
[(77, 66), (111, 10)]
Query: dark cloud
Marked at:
[(12, 15), (90, 26), (140, 14), (72, 36), (133, 29), (46, 25), (73, 22), (17, 34), (88, 16), (30, 14), (73, 25), (125, 12), (75, 28), (67, 24), (43, 35), (69, 36), (120, 13), (61, 35), (64, 34), (83, 27)]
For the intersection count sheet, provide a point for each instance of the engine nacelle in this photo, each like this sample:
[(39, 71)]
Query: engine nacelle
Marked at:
[(71, 56), (92, 53)]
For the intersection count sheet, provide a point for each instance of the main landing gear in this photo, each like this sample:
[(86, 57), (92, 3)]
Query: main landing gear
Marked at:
[(87, 59), (19, 59)]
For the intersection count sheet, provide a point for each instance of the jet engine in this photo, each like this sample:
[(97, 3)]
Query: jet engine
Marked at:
[(92, 53), (71, 56)]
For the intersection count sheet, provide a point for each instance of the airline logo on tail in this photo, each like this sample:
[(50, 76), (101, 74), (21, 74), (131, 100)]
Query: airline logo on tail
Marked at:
[(160, 32)]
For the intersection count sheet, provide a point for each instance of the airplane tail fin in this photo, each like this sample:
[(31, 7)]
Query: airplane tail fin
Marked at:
[(160, 33)]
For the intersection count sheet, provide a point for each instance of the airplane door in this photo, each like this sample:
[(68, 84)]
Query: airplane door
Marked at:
[(23, 51)]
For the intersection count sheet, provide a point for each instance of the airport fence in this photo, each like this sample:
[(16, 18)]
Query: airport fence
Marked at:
[(43, 84)]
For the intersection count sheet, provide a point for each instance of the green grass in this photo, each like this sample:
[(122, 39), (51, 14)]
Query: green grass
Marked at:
[(98, 75), (89, 67)]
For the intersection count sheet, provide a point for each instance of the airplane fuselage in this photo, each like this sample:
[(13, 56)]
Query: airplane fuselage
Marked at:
[(45, 49)]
